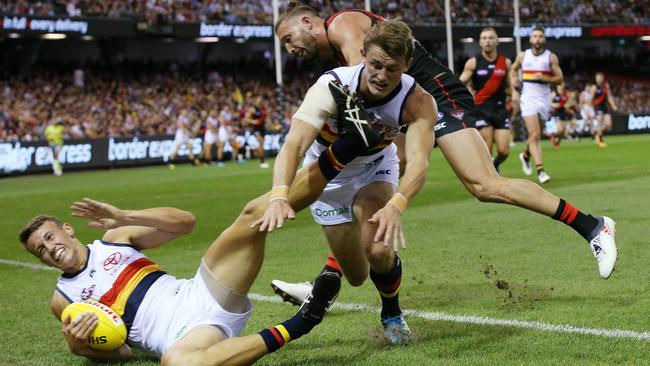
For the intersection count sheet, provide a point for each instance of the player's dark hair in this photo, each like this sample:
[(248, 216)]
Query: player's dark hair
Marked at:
[(394, 37), (34, 224), (538, 28), (295, 7)]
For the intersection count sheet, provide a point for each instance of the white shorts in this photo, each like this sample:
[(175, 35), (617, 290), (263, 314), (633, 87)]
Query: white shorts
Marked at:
[(181, 138), (551, 125), (334, 205), (531, 106), (210, 137), (587, 111), (172, 307), (224, 134)]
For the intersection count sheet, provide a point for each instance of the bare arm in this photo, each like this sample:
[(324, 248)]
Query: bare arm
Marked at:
[(301, 135), (76, 333), (610, 99), (145, 229), (468, 71), (509, 84), (420, 111), (514, 69), (346, 34), (557, 77)]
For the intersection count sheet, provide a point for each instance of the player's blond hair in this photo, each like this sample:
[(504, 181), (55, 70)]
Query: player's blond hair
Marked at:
[(394, 37)]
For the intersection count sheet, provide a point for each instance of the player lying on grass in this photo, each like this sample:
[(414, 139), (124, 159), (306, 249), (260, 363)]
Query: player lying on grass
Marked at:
[(183, 321)]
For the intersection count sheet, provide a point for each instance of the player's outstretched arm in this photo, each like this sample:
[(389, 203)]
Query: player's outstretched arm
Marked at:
[(420, 109), (145, 229)]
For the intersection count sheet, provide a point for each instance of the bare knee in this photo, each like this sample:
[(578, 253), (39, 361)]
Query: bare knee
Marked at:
[(490, 189), (534, 135), (380, 256), (253, 209), (175, 357), (503, 151)]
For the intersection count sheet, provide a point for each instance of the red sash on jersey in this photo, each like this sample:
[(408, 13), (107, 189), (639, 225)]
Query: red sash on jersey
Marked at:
[(601, 99), (493, 83)]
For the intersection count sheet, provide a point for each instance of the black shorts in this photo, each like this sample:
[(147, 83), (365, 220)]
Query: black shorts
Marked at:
[(492, 115), (455, 103), (601, 109), (258, 130)]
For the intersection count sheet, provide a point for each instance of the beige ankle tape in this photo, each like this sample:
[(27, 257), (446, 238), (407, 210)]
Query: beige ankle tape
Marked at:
[(228, 298)]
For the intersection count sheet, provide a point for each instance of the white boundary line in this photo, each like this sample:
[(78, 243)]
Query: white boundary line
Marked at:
[(439, 316)]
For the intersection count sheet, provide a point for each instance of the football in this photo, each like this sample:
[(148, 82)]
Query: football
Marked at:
[(110, 332)]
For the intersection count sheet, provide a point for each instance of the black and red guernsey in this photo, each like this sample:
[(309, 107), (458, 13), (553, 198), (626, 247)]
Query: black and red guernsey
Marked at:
[(455, 103), (600, 96), (489, 80)]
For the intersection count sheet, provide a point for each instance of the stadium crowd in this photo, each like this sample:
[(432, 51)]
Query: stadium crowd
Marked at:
[(142, 100), (415, 12), (137, 99)]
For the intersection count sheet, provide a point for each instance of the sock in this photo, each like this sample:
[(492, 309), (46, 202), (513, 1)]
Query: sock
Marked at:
[(539, 167), (331, 265), (388, 285), (338, 154), (498, 160), (289, 330), (527, 154), (585, 225)]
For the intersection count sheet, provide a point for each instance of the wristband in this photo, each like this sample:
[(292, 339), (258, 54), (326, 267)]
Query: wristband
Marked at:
[(279, 192), (398, 200)]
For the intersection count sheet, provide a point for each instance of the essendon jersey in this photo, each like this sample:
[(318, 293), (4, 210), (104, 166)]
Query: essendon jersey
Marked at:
[(600, 96), (450, 93), (560, 100), (489, 80)]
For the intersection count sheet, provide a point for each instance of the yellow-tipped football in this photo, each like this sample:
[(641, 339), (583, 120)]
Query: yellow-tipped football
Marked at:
[(110, 332)]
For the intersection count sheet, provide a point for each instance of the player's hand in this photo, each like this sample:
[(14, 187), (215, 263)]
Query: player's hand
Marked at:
[(515, 97), (101, 215), (77, 333), (516, 83), (274, 216), (390, 226)]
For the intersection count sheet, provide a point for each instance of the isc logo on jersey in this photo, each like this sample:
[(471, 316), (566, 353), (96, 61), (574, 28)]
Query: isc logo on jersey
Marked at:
[(110, 332)]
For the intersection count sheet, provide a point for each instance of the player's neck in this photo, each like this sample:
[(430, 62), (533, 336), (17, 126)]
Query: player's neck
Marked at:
[(537, 51), (491, 55), (322, 41)]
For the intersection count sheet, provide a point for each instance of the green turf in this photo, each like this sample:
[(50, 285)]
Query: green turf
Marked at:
[(458, 250)]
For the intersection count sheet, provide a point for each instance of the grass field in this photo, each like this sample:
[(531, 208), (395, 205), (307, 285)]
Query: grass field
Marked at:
[(459, 249)]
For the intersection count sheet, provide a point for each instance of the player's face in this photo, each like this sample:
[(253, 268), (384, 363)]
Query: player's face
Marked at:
[(488, 41), (537, 39), (600, 78), (296, 38), (382, 73), (56, 247)]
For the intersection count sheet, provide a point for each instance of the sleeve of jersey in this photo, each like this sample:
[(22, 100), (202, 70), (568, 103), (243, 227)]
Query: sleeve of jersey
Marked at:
[(318, 104)]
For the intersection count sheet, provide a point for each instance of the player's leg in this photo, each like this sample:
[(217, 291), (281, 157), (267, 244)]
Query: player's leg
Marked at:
[(468, 157), (207, 151), (607, 119), (502, 142), (534, 147), (487, 133), (260, 150)]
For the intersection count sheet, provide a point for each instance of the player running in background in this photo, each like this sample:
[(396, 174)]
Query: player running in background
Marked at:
[(185, 131), (487, 75), (305, 34), (54, 135), (587, 111), (540, 68), (562, 103), (602, 99), (255, 121), (211, 136)]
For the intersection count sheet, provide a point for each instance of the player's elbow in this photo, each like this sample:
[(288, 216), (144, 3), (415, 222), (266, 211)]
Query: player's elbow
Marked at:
[(188, 220)]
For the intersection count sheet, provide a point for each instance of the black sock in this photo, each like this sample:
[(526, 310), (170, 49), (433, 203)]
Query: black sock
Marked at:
[(388, 285), (539, 168), (338, 154), (585, 225), (498, 160), (527, 154), (290, 329)]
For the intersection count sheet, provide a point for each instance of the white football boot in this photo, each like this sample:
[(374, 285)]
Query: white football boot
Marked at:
[(543, 177), (525, 165), (603, 247), (294, 293)]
